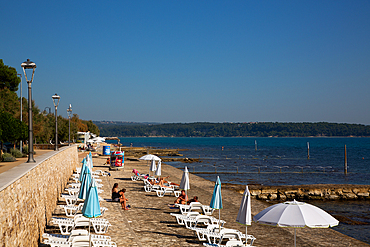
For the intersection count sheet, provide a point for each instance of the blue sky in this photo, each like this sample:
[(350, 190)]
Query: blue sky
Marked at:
[(190, 61)]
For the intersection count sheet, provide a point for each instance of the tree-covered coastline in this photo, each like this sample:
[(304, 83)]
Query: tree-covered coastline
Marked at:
[(205, 129)]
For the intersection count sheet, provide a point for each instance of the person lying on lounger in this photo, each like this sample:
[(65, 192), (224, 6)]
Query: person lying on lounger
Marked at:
[(182, 199), (195, 199)]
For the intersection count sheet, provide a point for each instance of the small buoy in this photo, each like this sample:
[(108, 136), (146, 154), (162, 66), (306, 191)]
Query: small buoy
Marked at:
[(363, 157)]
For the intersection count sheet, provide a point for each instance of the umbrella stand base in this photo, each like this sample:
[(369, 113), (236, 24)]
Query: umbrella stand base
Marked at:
[(116, 168)]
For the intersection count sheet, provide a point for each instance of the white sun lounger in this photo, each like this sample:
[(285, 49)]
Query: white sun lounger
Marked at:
[(80, 241), (66, 225), (226, 233), (148, 187), (74, 233), (207, 210), (167, 190)]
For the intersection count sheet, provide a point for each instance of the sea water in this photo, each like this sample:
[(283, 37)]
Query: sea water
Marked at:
[(280, 161)]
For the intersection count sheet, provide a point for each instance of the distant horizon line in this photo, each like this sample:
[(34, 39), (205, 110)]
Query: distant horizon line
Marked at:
[(251, 122)]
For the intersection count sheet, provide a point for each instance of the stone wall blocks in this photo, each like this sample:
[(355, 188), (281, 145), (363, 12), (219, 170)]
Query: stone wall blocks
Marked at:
[(27, 201)]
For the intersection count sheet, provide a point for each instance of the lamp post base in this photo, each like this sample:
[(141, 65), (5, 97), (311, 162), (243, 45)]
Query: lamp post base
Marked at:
[(31, 159)]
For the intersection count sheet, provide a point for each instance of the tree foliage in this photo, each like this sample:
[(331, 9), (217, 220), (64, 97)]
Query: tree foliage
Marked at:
[(236, 129), (8, 77), (12, 129)]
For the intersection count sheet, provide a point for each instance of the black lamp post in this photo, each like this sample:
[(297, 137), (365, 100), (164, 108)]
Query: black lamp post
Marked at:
[(69, 112), (29, 65), (56, 99)]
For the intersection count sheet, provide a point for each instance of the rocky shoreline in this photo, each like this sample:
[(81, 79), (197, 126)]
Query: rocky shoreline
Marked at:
[(306, 192), (272, 193)]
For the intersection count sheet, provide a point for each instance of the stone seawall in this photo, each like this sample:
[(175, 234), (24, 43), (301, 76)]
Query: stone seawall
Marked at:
[(312, 192), (29, 194)]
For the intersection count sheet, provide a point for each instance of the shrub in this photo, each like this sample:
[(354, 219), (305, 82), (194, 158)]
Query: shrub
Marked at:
[(25, 150), (16, 153), (7, 157)]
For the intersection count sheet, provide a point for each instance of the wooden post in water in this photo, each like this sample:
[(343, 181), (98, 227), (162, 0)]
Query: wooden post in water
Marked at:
[(308, 150), (255, 145), (345, 159), (237, 171)]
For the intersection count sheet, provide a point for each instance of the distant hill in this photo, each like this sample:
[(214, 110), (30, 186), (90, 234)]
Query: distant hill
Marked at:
[(104, 122), (205, 129)]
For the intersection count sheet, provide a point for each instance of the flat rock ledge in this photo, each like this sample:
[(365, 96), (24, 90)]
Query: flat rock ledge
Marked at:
[(308, 192)]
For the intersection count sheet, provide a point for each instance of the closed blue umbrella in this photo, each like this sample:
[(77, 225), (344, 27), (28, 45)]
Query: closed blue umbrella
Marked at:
[(82, 169), (216, 201), (91, 208), (91, 163), (86, 179)]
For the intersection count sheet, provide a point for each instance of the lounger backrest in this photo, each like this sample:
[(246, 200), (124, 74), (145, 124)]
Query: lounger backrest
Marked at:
[(229, 234), (203, 219), (234, 243), (211, 227), (195, 206)]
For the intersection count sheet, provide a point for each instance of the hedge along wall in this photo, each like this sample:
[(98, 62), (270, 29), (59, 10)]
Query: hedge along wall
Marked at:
[(29, 193)]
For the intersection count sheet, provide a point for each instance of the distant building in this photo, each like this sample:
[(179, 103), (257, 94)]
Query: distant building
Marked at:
[(83, 137)]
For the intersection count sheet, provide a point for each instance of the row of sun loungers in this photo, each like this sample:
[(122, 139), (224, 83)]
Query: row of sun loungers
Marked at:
[(70, 235), (208, 228), (198, 218)]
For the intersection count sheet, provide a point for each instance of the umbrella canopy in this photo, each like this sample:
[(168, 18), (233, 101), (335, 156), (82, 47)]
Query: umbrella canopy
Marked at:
[(158, 172), (90, 159), (91, 208), (82, 169), (184, 184), (245, 212), (86, 179), (153, 167), (216, 201), (89, 162), (295, 214), (149, 157)]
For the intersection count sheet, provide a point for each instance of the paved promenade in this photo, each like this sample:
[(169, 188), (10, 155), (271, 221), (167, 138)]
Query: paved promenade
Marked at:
[(149, 223)]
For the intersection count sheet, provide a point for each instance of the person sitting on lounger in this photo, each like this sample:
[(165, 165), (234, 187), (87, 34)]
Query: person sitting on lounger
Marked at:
[(182, 199), (195, 199)]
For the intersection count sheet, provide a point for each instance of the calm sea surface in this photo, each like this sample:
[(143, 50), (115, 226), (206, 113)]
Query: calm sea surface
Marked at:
[(281, 161)]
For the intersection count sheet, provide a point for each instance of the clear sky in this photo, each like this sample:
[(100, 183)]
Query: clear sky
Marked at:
[(190, 61)]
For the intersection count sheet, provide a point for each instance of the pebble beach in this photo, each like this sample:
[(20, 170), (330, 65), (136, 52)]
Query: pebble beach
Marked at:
[(149, 223)]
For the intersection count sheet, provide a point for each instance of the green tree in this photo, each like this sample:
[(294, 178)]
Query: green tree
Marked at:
[(8, 77)]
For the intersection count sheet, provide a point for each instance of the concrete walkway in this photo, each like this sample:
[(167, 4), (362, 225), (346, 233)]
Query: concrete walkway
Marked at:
[(149, 223)]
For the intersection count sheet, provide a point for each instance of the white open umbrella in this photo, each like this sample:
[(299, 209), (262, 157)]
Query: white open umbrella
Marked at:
[(297, 215), (245, 213), (150, 157)]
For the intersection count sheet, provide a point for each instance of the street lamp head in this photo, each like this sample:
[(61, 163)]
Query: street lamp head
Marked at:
[(28, 65), (69, 110), (56, 99)]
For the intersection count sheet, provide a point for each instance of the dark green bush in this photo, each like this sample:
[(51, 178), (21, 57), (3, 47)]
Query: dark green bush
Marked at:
[(16, 153), (7, 157)]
